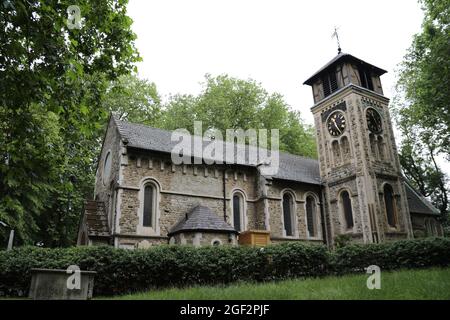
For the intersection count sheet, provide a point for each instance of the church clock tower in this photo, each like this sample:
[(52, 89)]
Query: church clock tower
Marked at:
[(364, 190)]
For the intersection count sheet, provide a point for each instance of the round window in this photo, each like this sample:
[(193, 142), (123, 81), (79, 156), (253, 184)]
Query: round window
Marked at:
[(216, 242), (107, 168)]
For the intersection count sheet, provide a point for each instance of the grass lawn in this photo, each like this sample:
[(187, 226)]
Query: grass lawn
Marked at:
[(407, 284)]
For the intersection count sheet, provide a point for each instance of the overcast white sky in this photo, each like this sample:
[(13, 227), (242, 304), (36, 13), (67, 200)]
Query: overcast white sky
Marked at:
[(279, 43)]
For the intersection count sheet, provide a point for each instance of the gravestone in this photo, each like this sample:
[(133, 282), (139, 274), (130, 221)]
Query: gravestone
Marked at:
[(58, 284)]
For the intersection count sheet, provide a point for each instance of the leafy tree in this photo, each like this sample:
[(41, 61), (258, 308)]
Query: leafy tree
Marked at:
[(418, 160), (425, 76), (133, 99), (179, 112), (37, 154), (422, 105), (52, 79), (229, 103)]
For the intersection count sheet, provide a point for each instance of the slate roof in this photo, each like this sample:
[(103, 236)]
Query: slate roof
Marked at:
[(201, 218), (300, 169), (417, 203), (96, 219), (342, 57), (291, 167)]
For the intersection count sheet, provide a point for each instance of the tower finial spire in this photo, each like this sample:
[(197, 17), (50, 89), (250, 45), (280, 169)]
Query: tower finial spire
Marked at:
[(336, 35)]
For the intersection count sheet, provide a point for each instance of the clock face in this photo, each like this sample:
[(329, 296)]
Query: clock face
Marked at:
[(336, 123), (374, 122)]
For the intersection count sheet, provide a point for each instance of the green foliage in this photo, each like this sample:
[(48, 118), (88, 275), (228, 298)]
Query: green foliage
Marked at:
[(120, 271), (230, 103), (27, 167), (342, 240), (390, 256), (418, 160), (133, 99), (422, 105), (425, 76), (52, 80)]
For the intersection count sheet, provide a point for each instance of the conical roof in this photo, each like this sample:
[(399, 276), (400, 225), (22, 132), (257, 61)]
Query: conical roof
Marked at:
[(201, 218)]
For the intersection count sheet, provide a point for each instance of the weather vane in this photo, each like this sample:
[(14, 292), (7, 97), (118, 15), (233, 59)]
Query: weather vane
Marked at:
[(336, 35)]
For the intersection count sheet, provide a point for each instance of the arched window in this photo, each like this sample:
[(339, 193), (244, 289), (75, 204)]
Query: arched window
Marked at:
[(389, 202), (148, 212), (435, 228), (238, 211), (347, 209), (149, 206), (345, 149), (381, 148), (288, 218), (430, 228), (311, 218), (336, 153), (373, 146)]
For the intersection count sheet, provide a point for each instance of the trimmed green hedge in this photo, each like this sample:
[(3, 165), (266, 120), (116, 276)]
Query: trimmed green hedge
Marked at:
[(405, 254), (122, 271)]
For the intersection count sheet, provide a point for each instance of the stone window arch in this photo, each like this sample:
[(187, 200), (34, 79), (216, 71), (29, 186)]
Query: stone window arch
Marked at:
[(431, 227), (346, 209), (336, 152), (345, 147), (288, 214), (390, 205), (373, 145), (239, 210), (312, 212), (148, 212), (381, 148)]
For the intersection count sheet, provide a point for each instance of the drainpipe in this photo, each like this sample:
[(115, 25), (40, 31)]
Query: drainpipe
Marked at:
[(224, 194), (324, 220), (262, 181)]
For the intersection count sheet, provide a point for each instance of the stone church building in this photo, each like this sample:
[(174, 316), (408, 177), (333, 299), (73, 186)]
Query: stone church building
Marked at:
[(355, 188)]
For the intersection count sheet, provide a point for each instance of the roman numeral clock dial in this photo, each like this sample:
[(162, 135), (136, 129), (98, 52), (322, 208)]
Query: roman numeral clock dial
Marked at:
[(336, 123), (373, 121)]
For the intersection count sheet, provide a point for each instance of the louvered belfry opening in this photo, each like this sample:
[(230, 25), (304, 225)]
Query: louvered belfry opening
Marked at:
[(365, 77), (329, 83)]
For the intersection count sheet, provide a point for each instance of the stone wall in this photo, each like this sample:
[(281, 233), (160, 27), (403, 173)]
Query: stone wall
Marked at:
[(204, 239), (105, 186), (182, 187), (300, 192)]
